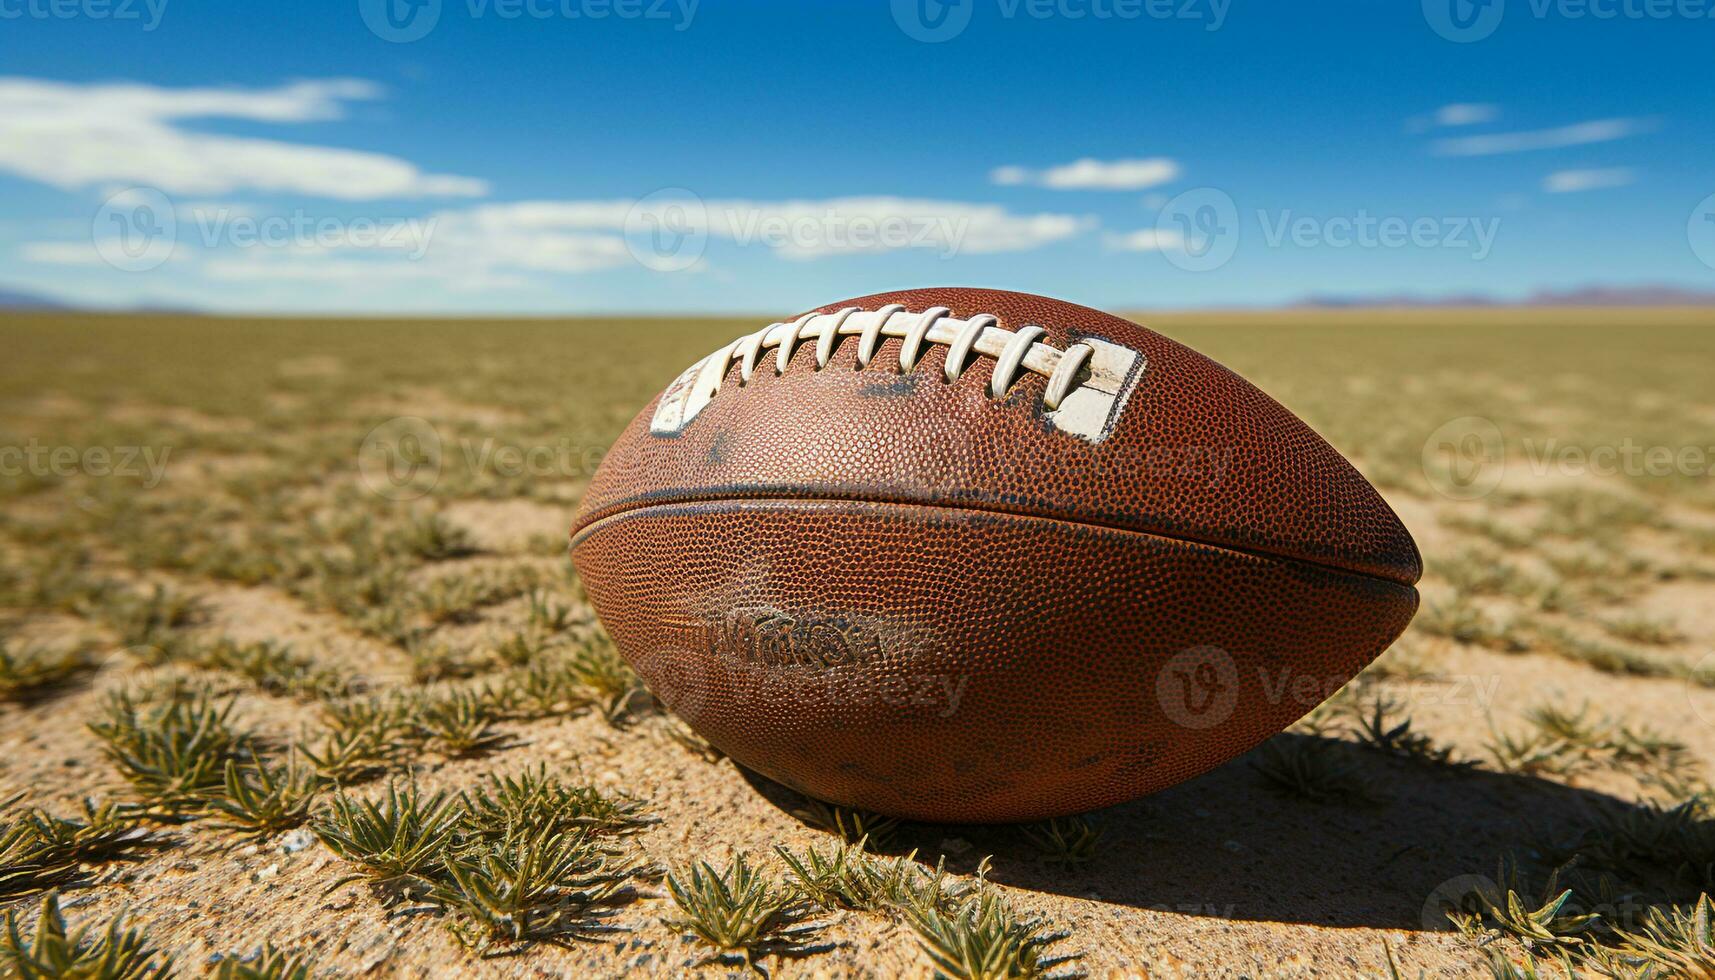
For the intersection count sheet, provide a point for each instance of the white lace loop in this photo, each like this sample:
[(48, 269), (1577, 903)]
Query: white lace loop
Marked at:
[(789, 342), (750, 348), (1065, 376), (960, 348), (831, 336), (911, 347), (1006, 365), (871, 337)]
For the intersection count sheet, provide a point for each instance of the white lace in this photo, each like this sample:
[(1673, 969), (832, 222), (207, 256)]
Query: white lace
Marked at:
[(1088, 383), (1013, 351)]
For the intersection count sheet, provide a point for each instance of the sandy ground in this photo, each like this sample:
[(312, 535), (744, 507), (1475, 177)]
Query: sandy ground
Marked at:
[(1224, 876)]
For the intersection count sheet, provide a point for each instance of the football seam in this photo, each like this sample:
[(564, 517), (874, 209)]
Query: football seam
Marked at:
[(582, 532)]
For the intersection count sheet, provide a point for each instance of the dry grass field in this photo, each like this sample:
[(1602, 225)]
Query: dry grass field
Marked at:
[(294, 675)]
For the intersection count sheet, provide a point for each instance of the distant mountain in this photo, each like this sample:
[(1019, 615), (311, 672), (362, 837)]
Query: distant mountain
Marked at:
[(1393, 300), (1646, 295), (16, 299), (1623, 296), (12, 299)]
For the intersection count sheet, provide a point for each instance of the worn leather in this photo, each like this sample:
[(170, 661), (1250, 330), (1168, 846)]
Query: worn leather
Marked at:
[(812, 557)]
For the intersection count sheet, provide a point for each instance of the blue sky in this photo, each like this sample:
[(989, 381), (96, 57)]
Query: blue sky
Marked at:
[(674, 155)]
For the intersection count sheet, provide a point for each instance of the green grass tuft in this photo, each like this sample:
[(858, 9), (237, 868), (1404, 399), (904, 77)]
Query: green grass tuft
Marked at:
[(530, 884), (260, 800), (116, 953), (267, 963), (734, 911), (984, 938), (173, 754), (31, 674), (399, 843)]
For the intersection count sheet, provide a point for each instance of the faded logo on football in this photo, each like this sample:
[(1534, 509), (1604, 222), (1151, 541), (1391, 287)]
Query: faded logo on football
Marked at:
[(1198, 688), (775, 639)]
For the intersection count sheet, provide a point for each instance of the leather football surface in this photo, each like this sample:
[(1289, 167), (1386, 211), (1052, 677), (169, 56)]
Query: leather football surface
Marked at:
[(978, 556)]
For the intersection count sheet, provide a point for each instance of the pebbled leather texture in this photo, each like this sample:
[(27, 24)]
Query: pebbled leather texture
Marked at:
[(816, 554)]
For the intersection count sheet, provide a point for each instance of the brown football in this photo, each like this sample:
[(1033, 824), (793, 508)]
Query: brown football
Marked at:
[(971, 555)]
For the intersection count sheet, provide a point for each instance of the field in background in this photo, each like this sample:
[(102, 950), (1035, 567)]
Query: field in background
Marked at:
[(354, 532)]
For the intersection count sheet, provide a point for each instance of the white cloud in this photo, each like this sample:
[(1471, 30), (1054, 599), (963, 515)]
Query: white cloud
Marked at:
[(578, 236), (1565, 181), (807, 229), (493, 244), (76, 136), (1091, 174), (61, 253), (1466, 114), (1595, 131), (1145, 240), (309, 267)]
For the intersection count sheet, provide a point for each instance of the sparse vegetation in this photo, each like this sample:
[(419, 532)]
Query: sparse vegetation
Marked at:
[(1377, 728), (1065, 841), (984, 938), (1541, 923), (173, 747), (1679, 942), (55, 950), (520, 859), (842, 876), (30, 674), (399, 844), (735, 911), (261, 800), (266, 963), (535, 799), (459, 723), (1319, 770), (413, 637), (530, 883), (151, 619), (849, 824)]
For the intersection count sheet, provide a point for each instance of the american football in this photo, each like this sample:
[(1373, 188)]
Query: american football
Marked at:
[(979, 556), (1256, 518)]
